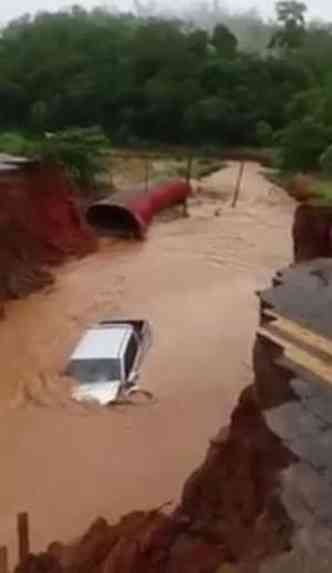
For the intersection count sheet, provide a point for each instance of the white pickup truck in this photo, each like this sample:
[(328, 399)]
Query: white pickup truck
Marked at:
[(107, 359)]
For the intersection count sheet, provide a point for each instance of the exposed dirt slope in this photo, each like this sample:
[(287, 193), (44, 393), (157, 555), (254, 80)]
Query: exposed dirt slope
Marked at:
[(312, 232), (230, 512), (39, 225), (195, 280), (260, 502)]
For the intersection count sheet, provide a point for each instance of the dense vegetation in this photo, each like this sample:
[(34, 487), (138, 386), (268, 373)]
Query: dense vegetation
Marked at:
[(81, 151), (157, 80)]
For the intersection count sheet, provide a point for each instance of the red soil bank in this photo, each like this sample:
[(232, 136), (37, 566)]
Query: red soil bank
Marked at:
[(40, 224), (312, 232), (312, 228), (230, 512)]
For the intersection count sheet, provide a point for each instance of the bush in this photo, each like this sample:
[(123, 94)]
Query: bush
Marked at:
[(326, 161), (302, 144), (80, 151), (15, 143), (323, 190), (264, 134)]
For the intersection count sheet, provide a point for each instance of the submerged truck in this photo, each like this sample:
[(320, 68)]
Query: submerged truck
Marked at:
[(106, 362)]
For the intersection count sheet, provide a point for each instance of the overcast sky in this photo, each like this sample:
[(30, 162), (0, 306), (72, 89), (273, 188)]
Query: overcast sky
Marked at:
[(13, 8)]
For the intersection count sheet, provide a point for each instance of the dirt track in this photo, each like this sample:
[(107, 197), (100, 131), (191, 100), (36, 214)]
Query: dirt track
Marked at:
[(195, 280)]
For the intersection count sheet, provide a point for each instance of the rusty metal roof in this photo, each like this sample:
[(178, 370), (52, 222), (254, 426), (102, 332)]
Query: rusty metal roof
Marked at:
[(10, 162)]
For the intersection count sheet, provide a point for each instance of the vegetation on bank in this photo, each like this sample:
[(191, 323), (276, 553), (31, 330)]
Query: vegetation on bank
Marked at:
[(82, 152)]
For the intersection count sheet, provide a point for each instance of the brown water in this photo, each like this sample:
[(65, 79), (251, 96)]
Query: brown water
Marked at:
[(195, 280)]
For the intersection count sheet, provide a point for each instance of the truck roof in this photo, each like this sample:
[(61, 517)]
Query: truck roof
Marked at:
[(103, 342)]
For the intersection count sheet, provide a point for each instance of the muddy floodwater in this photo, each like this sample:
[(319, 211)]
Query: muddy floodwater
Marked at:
[(195, 280)]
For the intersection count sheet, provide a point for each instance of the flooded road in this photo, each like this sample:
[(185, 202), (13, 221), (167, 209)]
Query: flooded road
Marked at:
[(195, 280)]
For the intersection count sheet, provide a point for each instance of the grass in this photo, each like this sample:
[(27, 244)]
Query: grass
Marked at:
[(320, 187), (16, 143), (279, 178), (323, 189), (201, 167), (207, 168)]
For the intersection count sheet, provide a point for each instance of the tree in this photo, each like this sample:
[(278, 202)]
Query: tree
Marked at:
[(264, 134), (303, 143), (291, 11), (326, 161), (315, 53), (80, 151), (39, 116), (198, 42), (209, 119), (291, 18), (224, 42), (153, 79)]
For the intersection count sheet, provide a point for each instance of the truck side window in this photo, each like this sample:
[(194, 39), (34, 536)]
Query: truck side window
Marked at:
[(130, 355)]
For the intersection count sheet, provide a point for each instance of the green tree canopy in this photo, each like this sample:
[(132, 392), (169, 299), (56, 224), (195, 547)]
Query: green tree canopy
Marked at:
[(224, 41), (147, 79), (291, 19)]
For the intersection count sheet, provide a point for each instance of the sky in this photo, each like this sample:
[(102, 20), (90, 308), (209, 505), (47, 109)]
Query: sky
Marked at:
[(10, 9)]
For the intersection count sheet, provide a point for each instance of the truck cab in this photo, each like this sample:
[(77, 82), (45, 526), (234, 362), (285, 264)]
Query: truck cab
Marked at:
[(107, 358)]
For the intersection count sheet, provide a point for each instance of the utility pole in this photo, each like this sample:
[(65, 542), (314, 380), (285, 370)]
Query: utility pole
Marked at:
[(238, 184)]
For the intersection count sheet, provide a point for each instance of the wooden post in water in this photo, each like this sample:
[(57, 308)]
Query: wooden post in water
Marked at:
[(3, 559), (23, 536), (147, 174), (238, 184), (189, 168), (111, 170), (188, 179)]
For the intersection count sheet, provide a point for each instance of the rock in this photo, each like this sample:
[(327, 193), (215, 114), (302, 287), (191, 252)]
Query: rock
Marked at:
[(227, 568), (312, 235), (272, 382), (192, 555), (42, 563), (311, 552), (294, 421)]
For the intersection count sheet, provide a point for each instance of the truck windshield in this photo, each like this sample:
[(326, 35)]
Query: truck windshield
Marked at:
[(90, 371)]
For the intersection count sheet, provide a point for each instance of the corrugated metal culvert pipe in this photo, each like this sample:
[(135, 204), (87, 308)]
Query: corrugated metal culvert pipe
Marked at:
[(129, 213)]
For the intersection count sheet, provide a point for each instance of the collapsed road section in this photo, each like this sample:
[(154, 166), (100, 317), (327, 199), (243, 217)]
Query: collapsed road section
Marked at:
[(261, 501), (293, 365)]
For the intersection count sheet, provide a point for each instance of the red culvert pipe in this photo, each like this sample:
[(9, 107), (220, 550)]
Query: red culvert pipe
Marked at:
[(129, 213)]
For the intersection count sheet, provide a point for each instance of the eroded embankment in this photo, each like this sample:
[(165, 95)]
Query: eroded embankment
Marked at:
[(195, 280), (312, 232), (230, 512), (261, 499), (312, 226), (40, 225)]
